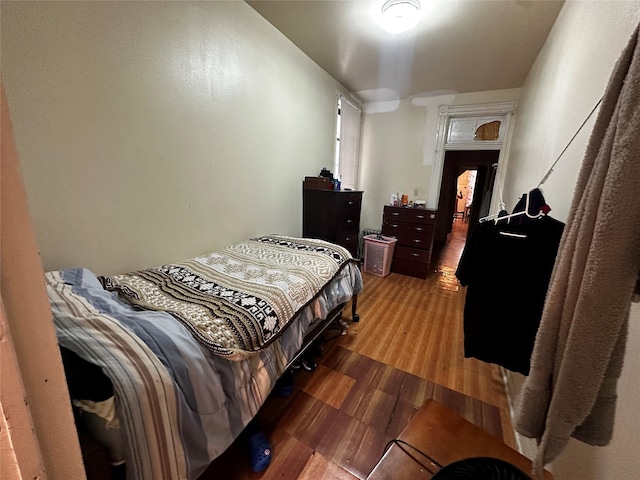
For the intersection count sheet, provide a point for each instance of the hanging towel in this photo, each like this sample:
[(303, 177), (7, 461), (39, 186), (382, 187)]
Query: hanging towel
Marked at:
[(579, 349)]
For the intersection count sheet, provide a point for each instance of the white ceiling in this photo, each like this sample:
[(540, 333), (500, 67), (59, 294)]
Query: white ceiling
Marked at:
[(459, 45)]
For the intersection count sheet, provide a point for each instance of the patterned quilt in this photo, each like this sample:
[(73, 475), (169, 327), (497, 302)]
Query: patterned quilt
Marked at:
[(237, 300)]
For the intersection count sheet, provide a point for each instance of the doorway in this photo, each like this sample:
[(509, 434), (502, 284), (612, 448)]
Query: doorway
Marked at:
[(456, 163), (465, 187)]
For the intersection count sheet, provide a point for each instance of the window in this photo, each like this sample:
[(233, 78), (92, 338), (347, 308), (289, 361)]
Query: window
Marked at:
[(479, 129), (347, 143)]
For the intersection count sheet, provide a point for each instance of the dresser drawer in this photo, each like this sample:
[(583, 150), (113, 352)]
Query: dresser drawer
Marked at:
[(350, 224), (416, 215), (411, 268), (410, 238), (347, 208), (347, 236), (349, 200), (351, 212), (397, 227), (417, 241), (418, 255), (348, 240)]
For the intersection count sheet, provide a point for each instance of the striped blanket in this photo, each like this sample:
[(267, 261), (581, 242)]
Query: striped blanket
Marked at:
[(237, 300), (179, 405)]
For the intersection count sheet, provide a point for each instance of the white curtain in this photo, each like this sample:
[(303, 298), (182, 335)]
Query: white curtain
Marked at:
[(349, 149)]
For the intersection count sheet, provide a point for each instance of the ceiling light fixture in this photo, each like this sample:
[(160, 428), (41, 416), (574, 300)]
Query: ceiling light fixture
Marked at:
[(400, 15)]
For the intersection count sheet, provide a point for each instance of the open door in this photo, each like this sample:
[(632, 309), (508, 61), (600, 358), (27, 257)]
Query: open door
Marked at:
[(455, 163)]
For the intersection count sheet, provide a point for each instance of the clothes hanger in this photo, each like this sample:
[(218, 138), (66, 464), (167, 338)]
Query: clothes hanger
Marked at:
[(523, 212), (498, 217), (501, 213)]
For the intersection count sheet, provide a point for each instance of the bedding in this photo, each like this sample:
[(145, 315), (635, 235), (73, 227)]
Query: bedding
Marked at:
[(236, 300), (180, 405)]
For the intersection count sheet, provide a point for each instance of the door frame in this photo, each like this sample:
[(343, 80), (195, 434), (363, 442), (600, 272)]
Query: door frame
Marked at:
[(505, 111), (455, 163)]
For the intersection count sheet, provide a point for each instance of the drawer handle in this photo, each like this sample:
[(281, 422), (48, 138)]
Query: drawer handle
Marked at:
[(417, 240), (415, 254), (351, 203), (419, 229), (394, 225), (349, 221), (419, 216), (395, 213), (347, 239)]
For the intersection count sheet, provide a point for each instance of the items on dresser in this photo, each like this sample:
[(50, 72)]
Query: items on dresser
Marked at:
[(333, 216), (414, 228), (318, 183)]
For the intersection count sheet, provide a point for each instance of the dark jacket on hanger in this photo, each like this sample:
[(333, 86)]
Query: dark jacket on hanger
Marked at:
[(506, 268), (537, 204)]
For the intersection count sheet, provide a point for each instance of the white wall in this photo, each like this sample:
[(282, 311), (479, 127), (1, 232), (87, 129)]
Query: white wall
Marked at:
[(150, 132), (38, 437), (565, 83), (391, 159), (398, 147)]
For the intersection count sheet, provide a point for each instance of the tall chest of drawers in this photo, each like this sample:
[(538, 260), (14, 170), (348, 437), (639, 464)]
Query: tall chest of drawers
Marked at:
[(414, 229), (333, 216)]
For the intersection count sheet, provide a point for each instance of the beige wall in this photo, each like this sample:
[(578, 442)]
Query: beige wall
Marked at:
[(567, 80), (398, 147), (38, 438), (149, 132), (392, 159)]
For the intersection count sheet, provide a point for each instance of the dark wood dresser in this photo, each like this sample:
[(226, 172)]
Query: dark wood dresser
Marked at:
[(333, 216), (414, 229)]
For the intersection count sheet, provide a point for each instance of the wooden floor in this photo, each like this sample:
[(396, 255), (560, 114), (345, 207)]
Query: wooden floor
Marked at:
[(407, 347)]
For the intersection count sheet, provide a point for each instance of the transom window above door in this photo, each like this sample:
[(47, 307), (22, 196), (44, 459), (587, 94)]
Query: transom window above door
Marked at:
[(469, 130)]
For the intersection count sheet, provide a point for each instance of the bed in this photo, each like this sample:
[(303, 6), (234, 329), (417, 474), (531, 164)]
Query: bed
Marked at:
[(193, 349)]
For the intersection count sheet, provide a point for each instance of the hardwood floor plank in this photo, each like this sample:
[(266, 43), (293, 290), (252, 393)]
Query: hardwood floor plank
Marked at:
[(414, 389), (370, 406), (289, 456), (402, 413), (356, 447), (318, 466), (329, 386), (308, 419)]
